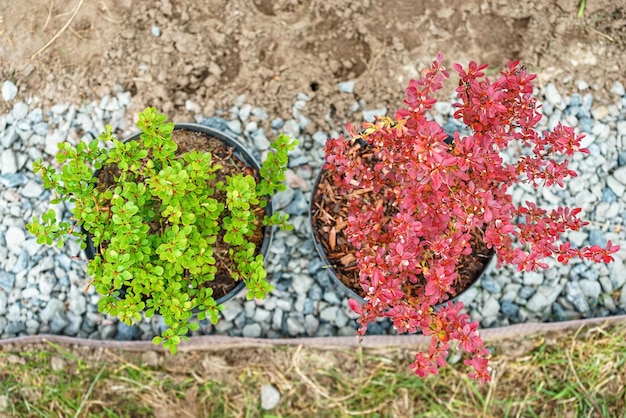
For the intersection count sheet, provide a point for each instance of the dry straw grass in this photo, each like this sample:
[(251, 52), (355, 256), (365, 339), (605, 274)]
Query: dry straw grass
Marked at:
[(574, 374)]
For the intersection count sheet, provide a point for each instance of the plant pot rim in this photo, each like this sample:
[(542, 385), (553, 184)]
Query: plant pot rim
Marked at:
[(242, 153), (349, 291)]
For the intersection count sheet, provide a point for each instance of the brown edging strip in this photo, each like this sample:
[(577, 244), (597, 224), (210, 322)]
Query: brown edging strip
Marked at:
[(212, 342)]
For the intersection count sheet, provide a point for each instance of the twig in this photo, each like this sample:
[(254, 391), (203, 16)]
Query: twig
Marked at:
[(67, 24), (49, 16), (602, 34)]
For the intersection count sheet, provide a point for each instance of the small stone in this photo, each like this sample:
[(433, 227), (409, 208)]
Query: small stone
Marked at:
[(537, 303), (15, 239), (277, 319), (600, 112), (320, 138), (32, 189), (216, 123), (54, 305), (596, 237), (270, 397), (552, 95), (261, 315), (252, 331), (259, 113), (491, 307), (261, 142), (244, 112), (615, 185), (3, 302), (232, 308), (277, 123), (126, 332), (13, 180), (618, 88), (19, 111), (533, 278), (490, 284), (9, 90), (576, 297), (311, 325), (155, 30), (577, 238), (8, 162), (617, 271), (293, 325), (298, 205), (234, 126), (620, 175), (59, 322), (621, 127), (41, 128), (329, 314), (370, 115), (590, 288), (302, 283), (331, 297), (511, 310), (346, 87)]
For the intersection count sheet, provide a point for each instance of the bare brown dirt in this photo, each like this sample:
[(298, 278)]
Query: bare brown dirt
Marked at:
[(212, 51)]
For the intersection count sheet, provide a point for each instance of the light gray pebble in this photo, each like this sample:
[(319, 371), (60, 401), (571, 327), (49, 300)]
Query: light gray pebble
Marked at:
[(532, 278), (261, 315), (574, 294), (234, 126), (13, 180), (259, 113), (302, 283), (330, 314), (277, 123), (59, 322), (15, 239), (155, 30), (590, 288), (9, 90), (19, 111), (491, 307), (261, 142), (270, 397), (291, 128), (298, 205), (251, 330), (53, 306), (618, 88), (370, 115), (617, 271), (3, 302), (294, 324), (346, 87), (8, 162), (552, 95), (41, 128), (32, 189), (277, 319), (232, 308), (490, 284), (126, 332)]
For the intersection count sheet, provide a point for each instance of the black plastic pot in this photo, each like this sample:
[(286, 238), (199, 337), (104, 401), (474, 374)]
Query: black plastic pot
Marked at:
[(243, 155), (348, 290)]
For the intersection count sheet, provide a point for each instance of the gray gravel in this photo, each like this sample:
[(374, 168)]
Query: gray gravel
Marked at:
[(41, 288)]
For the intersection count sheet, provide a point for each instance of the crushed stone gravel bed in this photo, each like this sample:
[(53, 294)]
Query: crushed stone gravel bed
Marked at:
[(41, 288)]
